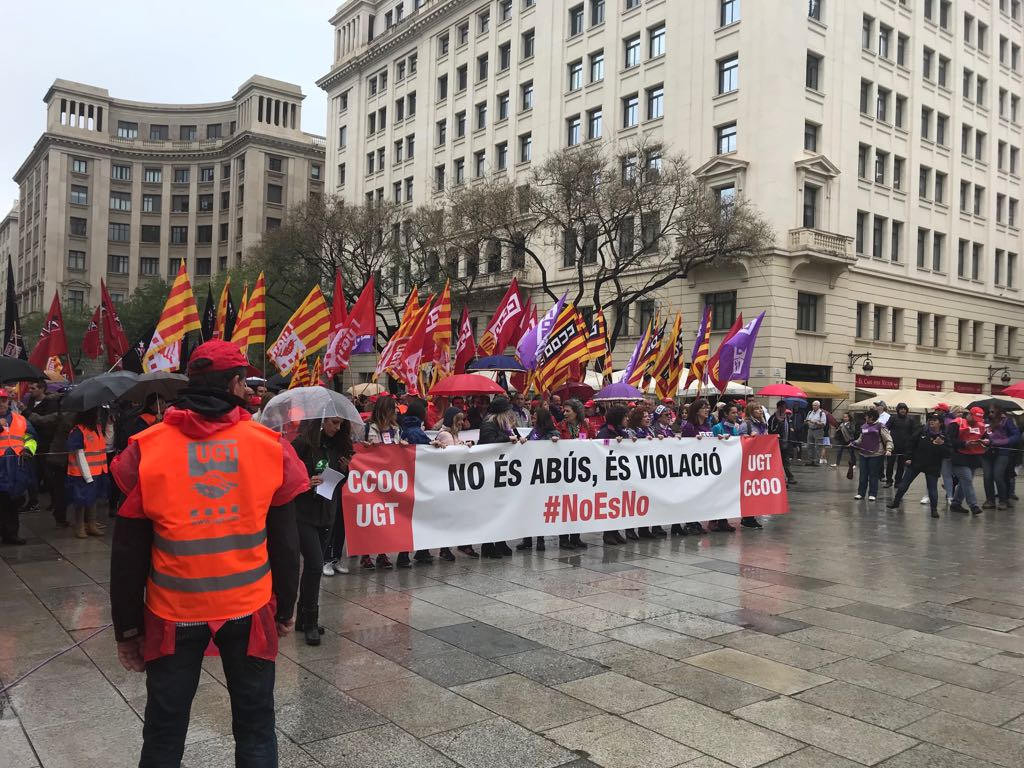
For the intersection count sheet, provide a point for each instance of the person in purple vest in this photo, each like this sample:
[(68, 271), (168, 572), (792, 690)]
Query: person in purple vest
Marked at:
[(873, 445)]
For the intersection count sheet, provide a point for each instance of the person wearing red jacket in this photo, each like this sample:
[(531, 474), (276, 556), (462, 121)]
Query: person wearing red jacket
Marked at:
[(205, 558)]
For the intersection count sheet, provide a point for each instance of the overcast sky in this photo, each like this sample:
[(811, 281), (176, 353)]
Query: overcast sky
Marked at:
[(164, 52)]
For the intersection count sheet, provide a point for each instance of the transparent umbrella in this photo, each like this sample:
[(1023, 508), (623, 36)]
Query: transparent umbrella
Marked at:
[(309, 404)]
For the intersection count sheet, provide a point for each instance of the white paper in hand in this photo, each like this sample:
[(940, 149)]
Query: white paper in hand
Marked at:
[(331, 478)]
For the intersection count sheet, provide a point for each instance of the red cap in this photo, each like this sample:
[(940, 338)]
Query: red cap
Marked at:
[(588, 404), (668, 401), (4, 392), (217, 355), (978, 411), (944, 407)]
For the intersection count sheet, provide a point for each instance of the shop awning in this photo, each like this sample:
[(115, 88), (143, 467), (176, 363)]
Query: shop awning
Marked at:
[(817, 390), (915, 400)]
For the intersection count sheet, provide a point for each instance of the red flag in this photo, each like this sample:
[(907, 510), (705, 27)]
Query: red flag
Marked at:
[(711, 372), (91, 340), (114, 338), (52, 342), (408, 367), (360, 323), (504, 324), (338, 312), (465, 350)]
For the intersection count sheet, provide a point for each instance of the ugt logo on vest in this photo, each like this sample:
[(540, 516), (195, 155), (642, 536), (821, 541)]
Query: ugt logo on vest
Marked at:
[(213, 467)]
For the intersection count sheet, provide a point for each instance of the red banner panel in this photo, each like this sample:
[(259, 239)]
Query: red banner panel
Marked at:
[(929, 385), (967, 388), (877, 382)]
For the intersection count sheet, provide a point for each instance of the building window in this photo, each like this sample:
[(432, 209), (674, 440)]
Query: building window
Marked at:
[(482, 67), (126, 130), (181, 175), (526, 147), (810, 206), (204, 234), (151, 203), (481, 115), (439, 178), (213, 131), (150, 233), (442, 132), (729, 12), (631, 111), (120, 172), (576, 75), (149, 266), (504, 105), (807, 312), (656, 42), (179, 203), (595, 123), (811, 131), (728, 74), (631, 47), (814, 67), (656, 102), (596, 66), (119, 232), (159, 133), (576, 20), (79, 165), (79, 195), (526, 95), (501, 155), (206, 175), (814, 10), (179, 235), (76, 261), (117, 265), (188, 133), (897, 173), (153, 175), (479, 163), (76, 299), (723, 309), (529, 39), (120, 201), (896, 241), (573, 130), (460, 124), (725, 138), (460, 170), (861, 232)]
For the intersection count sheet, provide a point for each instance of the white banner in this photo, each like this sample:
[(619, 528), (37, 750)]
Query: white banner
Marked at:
[(402, 498)]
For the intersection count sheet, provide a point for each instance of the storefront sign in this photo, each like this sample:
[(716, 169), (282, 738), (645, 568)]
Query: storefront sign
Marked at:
[(929, 385), (967, 388), (878, 382)]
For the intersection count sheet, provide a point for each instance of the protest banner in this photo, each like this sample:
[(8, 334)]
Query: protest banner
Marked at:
[(405, 497)]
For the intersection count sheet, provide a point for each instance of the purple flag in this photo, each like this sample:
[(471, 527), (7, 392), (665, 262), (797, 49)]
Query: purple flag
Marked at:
[(635, 357), (734, 362), (534, 339)]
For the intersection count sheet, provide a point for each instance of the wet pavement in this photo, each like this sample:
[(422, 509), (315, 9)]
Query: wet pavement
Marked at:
[(843, 634)]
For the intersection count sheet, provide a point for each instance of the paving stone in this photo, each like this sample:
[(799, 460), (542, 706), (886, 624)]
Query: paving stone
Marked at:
[(399, 642), (559, 635), (931, 756), (822, 728), (987, 637), (454, 668), (956, 672), (958, 615), (626, 659), (879, 678), (937, 645), (501, 615), (758, 671), (1009, 610), (984, 707), (498, 743), (614, 693), (593, 619), (812, 757), (693, 625), (483, 640), (320, 717), (383, 747), (14, 745), (894, 616), (778, 648), (707, 687), (419, 706), (714, 733), (548, 666), (638, 610), (985, 742), (616, 743), (841, 622), (526, 702), (661, 641), (357, 671), (1005, 662), (110, 740), (840, 642), (220, 753), (760, 622), (865, 704)]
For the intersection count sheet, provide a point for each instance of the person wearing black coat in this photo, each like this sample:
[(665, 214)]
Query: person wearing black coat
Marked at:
[(903, 430), (927, 449), (321, 445), (499, 426)]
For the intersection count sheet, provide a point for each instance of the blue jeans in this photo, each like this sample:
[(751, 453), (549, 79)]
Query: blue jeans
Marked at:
[(965, 485), (909, 476), (947, 479), (868, 467), (171, 683), (994, 469)]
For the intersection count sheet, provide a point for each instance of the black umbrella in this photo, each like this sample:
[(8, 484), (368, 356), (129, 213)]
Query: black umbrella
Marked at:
[(99, 390), (163, 383), (995, 402), (16, 369)]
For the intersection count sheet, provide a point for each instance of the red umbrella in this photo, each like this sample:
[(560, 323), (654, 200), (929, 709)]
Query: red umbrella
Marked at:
[(576, 390), (1014, 390), (466, 384), (781, 390)]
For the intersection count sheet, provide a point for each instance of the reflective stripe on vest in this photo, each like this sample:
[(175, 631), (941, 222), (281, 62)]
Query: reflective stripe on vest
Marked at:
[(95, 454), (208, 500), (14, 435)]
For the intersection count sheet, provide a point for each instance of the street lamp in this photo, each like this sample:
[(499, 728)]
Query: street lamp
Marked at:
[(1005, 373), (867, 366)]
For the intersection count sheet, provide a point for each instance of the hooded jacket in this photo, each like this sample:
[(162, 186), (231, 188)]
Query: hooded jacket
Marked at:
[(903, 430), (199, 414), (925, 456)]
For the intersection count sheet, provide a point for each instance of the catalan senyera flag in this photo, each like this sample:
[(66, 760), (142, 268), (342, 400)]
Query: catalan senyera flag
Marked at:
[(664, 358), (669, 383), (396, 343), (306, 332), (180, 315), (251, 327), (241, 311), (300, 376), (316, 373), (648, 356), (440, 343), (701, 350), (566, 344)]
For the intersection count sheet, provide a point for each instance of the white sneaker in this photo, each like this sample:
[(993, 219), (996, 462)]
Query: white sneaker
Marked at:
[(339, 568), (925, 500), (835, 465), (871, 498), (328, 569), (858, 497)]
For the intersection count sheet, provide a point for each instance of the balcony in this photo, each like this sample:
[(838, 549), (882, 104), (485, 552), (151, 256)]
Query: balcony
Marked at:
[(199, 145), (815, 247)]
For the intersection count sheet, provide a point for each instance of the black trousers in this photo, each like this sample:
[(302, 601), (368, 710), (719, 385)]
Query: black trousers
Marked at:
[(336, 539), (785, 452), (10, 515), (54, 477), (171, 684), (895, 466), (312, 540)]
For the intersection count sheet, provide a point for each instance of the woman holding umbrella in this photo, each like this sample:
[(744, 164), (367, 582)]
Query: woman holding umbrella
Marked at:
[(318, 446), (88, 477)]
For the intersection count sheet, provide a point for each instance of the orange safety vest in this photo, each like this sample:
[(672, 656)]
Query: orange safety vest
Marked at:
[(208, 501), (95, 454), (149, 418), (13, 436)]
